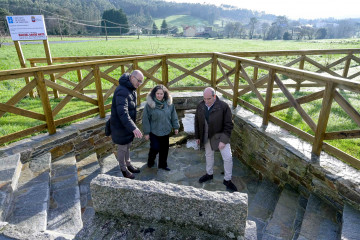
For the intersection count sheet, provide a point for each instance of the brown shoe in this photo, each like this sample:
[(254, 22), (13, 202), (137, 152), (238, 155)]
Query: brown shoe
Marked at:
[(127, 174)]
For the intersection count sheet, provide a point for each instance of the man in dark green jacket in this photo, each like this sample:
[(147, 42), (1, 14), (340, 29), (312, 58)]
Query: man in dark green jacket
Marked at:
[(213, 126)]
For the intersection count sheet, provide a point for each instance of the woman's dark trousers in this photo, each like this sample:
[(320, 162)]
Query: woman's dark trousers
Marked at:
[(158, 144)]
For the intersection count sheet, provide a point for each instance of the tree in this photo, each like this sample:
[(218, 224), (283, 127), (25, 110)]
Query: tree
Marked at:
[(278, 28), (264, 29), (164, 27), (287, 36), (114, 20), (3, 25), (321, 33), (155, 29), (252, 24)]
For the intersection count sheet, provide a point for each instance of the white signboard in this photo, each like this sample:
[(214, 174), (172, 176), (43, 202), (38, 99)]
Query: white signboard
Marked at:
[(27, 27)]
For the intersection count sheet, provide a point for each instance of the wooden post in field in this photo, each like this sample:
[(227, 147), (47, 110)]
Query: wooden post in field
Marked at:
[(98, 86), (323, 118), (256, 70), (165, 71), (301, 66), (269, 92), (22, 63), (122, 69), (45, 102), (347, 67), (79, 75), (49, 62), (236, 83), (214, 71)]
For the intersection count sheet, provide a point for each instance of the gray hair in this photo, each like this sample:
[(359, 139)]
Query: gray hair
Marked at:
[(213, 93)]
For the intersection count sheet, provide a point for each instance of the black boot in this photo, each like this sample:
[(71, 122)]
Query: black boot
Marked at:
[(133, 169), (128, 174)]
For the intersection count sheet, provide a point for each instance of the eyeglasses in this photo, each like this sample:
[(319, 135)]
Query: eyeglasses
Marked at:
[(139, 81)]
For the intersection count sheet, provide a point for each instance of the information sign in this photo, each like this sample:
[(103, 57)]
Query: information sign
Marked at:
[(27, 27)]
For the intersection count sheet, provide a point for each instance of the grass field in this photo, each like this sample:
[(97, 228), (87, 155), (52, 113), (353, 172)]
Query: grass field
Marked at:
[(156, 45)]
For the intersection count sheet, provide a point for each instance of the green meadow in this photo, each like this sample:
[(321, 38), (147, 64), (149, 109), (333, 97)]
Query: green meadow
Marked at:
[(339, 120)]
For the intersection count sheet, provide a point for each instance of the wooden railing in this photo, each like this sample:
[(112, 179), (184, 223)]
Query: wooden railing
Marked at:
[(230, 74)]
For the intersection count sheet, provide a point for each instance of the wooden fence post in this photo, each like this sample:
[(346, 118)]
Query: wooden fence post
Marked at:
[(79, 76), (165, 71), (269, 92), (100, 97), (347, 66), (49, 62), (256, 70), (138, 92), (45, 102), (22, 63), (214, 71), (301, 66), (323, 118), (236, 83)]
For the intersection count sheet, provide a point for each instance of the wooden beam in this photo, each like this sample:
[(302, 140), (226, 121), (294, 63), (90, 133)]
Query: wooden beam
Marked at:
[(342, 135), (236, 83), (213, 70), (45, 102), (252, 86), (226, 77), (22, 63), (350, 110), (100, 98), (269, 92), (49, 62), (21, 112), (165, 71), (323, 118), (23, 133)]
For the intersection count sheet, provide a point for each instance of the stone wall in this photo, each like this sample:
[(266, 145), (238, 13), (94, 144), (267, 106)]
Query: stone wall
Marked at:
[(220, 213), (276, 154)]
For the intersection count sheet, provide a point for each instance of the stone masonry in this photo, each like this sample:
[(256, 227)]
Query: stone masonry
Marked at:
[(220, 213)]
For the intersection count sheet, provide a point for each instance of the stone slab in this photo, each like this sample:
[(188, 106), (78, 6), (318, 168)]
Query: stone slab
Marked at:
[(216, 212), (320, 221), (351, 223)]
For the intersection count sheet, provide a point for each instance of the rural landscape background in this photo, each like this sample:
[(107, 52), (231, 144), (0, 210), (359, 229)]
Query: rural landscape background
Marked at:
[(77, 28)]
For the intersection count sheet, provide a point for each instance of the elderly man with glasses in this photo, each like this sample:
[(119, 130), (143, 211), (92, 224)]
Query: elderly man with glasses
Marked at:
[(123, 119)]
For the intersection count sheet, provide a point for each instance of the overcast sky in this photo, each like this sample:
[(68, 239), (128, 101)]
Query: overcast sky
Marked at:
[(308, 9)]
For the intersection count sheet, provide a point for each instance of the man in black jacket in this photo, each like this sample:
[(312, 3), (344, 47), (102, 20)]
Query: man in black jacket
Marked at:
[(123, 119)]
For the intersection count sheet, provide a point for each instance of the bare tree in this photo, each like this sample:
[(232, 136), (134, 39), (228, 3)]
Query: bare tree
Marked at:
[(264, 29), (252, 24)]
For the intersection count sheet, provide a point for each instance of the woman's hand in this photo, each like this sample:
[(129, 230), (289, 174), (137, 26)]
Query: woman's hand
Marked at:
[(146, 137), (176, 131)]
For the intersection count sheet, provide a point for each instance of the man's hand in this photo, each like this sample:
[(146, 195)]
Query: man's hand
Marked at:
[(137, 133), (221, 145), (197, 141), (176, 131), (147, 137)]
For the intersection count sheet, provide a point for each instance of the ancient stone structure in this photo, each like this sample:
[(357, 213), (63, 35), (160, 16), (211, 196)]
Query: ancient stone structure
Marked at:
[(220, 213)]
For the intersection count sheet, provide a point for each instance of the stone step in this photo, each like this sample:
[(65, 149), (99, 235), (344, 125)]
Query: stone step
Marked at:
[(287, 217), (65, 209), (10, 168), (31, 199), (321, 221), (88, 168), (110, 166), (263, 205), (350, 223)]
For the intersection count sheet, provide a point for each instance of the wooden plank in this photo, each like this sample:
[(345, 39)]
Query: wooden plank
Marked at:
[(296, 105), (301, 100), (109, 78), (354, 75), (192, 88), (346, 67), (189, 72), (49, 62), (112, 68), (260, 82), (224, 65), (342, 135), (20, 95), (22, 63), (213, 71), (337, 62), (100, 98), (321, 67), (149, 76), (236, 83), (71, 92), (71, 118), (165, 71), (85, 82), (224, 92), (23, 133), (21, 112), (323, 118), (269, 92), (348, 108), (45, 102), (109, 92), (224, 74), (252, 86), (67, 81), (342, 155)]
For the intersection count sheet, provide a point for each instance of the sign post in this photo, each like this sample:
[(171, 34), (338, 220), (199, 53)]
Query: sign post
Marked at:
[(27, 28)]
